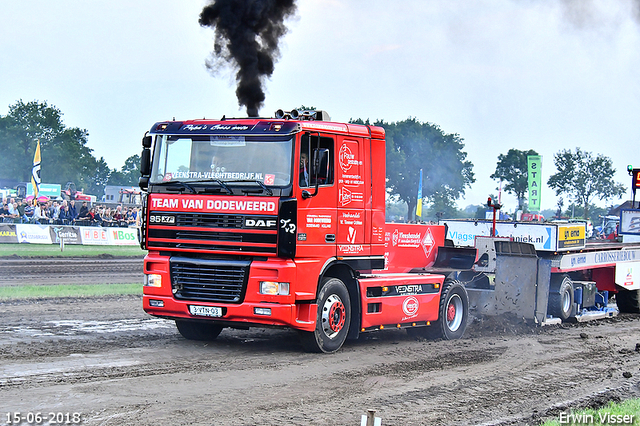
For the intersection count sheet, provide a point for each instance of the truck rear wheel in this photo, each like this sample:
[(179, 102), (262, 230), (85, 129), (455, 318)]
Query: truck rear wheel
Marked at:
[(628, 301), (452, 316), (332, 320), (193, 330), (560, 296)]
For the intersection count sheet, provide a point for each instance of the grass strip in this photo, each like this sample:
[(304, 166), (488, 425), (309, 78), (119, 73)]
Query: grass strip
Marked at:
[(52, 250), (623, 413), (67, 290)]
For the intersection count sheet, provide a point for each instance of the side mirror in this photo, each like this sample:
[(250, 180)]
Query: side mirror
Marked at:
[(146, 141), (143, 182), (145, 162)]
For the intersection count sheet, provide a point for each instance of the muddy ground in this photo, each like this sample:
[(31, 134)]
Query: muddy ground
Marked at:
[(107, 360)]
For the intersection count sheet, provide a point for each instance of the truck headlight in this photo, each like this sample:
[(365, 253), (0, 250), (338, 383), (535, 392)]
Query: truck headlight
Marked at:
[(153, 280), (274, 288)]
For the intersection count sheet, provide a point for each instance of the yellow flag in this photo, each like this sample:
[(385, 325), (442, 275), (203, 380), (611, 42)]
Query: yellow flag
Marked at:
[(35, 173)]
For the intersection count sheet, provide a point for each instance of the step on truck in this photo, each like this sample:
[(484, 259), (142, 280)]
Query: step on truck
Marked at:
[(280, 222), (548, 272)]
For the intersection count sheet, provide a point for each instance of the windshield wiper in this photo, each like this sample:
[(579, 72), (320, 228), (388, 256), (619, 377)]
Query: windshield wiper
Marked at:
[(265, 187), (224, 185), (178, 185), (262, 185)]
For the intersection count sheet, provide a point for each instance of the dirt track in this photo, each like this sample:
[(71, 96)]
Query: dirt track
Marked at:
[(106, 359), (106, 269)]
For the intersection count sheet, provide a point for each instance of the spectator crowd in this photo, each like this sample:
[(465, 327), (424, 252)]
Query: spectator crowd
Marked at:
[(54, 212)]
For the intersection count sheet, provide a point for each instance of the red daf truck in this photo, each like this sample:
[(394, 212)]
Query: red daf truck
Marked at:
[(281, 222)]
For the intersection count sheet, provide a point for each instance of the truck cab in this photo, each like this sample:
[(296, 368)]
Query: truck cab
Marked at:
[(246, 221)]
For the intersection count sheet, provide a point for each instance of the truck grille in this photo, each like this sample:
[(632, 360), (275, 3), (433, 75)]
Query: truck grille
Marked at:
[(209, 220), (211, 233), (221, 281)]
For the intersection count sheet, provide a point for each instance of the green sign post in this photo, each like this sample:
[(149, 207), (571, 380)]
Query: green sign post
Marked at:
[(534, 172)]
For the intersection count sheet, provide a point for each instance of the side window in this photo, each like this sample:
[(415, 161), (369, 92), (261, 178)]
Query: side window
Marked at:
[(317, 155)]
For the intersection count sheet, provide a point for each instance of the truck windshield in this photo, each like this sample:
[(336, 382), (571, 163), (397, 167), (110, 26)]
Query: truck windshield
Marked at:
[(223, 158)]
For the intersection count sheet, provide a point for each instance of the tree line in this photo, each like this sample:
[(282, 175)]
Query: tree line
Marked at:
[(66, 156), (412, 145)]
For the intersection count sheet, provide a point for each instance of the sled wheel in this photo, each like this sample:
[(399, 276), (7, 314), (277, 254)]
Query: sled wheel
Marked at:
[(452, 315), (560, 297), (332, 319), (628, 301), (193, 330)]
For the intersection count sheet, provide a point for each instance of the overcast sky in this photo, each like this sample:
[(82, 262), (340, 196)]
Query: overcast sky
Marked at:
[(526, 74)]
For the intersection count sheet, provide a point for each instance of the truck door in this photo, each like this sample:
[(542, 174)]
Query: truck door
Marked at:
[(317, 212)]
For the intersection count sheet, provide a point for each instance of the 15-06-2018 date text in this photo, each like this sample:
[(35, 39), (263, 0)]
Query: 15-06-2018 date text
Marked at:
[(37, 418)]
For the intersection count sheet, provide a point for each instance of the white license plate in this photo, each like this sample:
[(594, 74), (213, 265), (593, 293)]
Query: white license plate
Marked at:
[(205, 311)]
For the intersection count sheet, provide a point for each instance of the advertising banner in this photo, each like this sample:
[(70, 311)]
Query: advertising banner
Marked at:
[(123, 236), (534, 173), (94, 236), (570, 236), (66, 234), (33, 234), (544, 236), (53, 234), (8, 234)]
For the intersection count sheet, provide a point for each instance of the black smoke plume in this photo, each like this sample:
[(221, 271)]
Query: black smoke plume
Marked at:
[(246, 38)]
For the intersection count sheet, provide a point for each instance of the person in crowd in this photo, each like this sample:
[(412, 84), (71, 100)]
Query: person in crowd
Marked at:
[(83, 214), (28, 210), (117, 215), (91, 216), (21, 207), (97, 217), (304, 169), (56, 205), (51, 209), (131, 215), (11, 206), (107, 216), (14, 213), (72, 210), (4, 211), (63, 216), (40, 214)]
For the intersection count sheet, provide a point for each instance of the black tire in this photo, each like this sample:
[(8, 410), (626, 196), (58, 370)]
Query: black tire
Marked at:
[(332, 320), (453, 314), (628, 301), (560, 296), (196, 330)]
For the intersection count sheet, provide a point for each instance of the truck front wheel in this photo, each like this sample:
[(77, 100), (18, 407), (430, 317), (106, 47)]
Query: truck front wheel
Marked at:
[(193, 330), (452, 316), (332, 319)]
